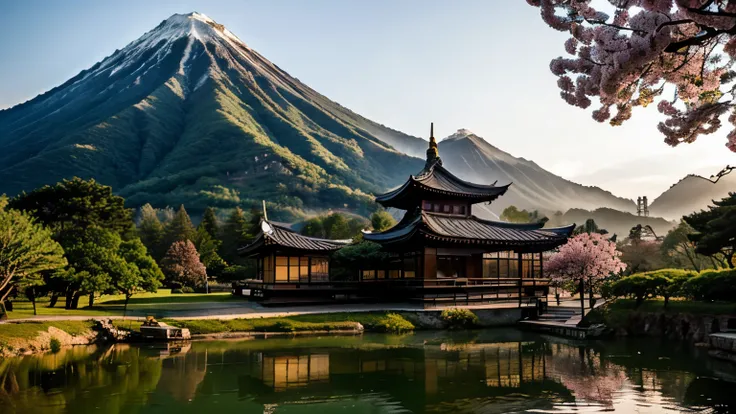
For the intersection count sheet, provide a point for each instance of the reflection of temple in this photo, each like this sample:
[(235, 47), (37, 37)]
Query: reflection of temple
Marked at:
[(414, 378)]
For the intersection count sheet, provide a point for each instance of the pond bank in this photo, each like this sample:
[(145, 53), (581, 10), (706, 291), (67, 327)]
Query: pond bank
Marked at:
[(34, 337)]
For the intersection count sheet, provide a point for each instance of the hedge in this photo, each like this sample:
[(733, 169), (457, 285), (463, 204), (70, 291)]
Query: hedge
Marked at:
[(664, 283)]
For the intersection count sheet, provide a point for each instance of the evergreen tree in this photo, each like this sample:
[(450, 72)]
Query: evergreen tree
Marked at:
[(76, 204), (715, 230), (207, 247), (209, 223), (180, 228), (151, 231), (235, 234)]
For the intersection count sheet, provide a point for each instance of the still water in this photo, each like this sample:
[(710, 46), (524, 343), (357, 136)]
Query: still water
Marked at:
[(492, 371)]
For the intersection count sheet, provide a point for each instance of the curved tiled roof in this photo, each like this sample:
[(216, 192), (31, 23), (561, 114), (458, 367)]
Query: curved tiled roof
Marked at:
[(471, 230), (272, 234), (436, 179)]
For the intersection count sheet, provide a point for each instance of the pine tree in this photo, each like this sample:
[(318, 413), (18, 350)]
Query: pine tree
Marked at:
[(209, 223), (180, 228), (151, 232), (234, 235)]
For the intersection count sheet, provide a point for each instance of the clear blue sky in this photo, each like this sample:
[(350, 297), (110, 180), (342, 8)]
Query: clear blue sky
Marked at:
[(463, 64)]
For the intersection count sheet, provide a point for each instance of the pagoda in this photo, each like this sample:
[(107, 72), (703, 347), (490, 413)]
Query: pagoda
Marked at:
[(440, 245)]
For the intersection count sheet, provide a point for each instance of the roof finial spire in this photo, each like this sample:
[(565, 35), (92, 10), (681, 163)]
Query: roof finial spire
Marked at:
[(265, 214), (432, 152)]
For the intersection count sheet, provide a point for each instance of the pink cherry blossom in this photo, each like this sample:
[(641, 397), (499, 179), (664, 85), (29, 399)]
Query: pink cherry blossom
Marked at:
[(586, 257), (643, 50)]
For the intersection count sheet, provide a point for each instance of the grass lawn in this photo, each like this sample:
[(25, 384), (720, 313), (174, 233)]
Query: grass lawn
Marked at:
[(11, 332), (111, 305), (371, 321)]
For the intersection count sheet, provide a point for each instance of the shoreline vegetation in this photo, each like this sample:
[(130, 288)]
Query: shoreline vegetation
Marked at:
[(623, 317)]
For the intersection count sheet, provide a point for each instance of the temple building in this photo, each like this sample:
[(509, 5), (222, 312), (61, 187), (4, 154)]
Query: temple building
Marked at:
[(445, 251), (289, 266), (439, 254)]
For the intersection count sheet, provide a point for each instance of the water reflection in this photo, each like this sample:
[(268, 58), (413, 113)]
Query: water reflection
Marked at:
[(490, 372)]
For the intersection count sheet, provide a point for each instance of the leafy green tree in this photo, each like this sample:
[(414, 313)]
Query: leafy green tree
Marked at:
[(95, 260), (180, 228), (209, 223), (151, 231), (26, 250), (715, 230), (234, 235), (140, 274), (382, 220), (182, 264), (364, 255), (333, 226), (512, 214)]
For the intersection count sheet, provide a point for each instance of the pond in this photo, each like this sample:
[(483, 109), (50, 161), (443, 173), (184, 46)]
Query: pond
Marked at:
[(489, 371)]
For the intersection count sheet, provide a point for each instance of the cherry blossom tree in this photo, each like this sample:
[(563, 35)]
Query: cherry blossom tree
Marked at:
[(586, 258), (182, 264), (676, 52)]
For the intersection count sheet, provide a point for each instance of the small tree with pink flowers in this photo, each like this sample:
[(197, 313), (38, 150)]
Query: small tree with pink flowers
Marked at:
[(586, 258)]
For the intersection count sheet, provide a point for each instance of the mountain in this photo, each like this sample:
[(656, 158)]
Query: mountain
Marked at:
[(615, 221), (188, 113), (691, 194), (474, 159)]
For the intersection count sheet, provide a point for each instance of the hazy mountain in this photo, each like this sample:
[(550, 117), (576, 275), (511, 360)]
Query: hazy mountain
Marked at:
[(691, 194), (616, 221), (188, 113), (474, 159)]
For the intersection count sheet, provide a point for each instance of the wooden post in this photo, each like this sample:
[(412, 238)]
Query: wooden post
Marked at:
[(519, 274)]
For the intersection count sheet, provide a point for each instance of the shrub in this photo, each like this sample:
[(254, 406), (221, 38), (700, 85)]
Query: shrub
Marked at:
[(393, 323), (55, 345), (458, 318), (187, 289), (176, 291), (712, 285), (641, 286)]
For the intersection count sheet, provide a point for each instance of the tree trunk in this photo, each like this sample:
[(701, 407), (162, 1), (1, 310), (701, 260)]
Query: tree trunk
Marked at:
[(666, 300), (31, 293), (729, 260), (125, 308), (54, 299), (582, 299), (591, 300), (3, 312), (91, 299), (75, 300), (69, 298)]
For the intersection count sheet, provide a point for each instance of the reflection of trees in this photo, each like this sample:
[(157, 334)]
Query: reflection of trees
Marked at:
[(78, 380), (586, 374)]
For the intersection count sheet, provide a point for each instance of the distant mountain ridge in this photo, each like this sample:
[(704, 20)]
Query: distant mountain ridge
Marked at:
[(188, 113), (475, 159), (691, 194)]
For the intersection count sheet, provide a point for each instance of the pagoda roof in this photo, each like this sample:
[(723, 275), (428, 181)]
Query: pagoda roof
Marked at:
[(435, 180), (277, 236), (470, 230)]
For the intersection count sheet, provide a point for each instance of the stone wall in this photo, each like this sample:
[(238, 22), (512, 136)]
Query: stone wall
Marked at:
[(688, 327), (431, 319)]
